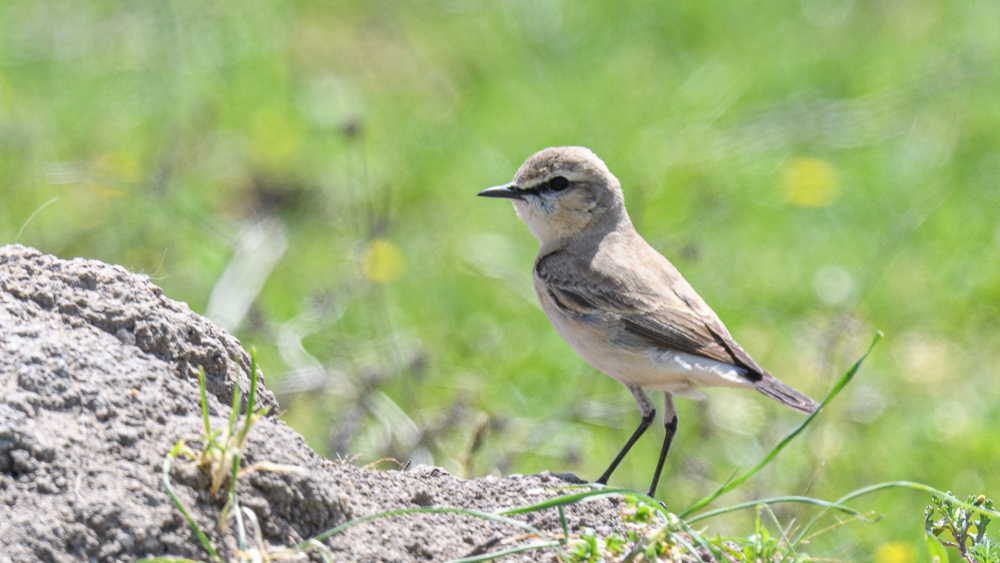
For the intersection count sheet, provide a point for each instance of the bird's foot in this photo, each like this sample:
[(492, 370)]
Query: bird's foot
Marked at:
[(571, 478)]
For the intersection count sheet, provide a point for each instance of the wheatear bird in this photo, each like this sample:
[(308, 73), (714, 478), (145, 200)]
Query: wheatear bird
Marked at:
[(618, 302)]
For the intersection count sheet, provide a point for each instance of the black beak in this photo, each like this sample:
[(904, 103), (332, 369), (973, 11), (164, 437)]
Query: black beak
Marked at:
[(507, 191)]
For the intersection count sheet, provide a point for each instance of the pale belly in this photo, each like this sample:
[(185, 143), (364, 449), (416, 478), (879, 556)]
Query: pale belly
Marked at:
[(677, 373)]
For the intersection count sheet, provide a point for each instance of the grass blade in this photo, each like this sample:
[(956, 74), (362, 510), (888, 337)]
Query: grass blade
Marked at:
[(167, 559), (248, 422), (565, 525), (684, 543), (775, 500), (499, 554), (234, 504), (324, 552), (837, 388), (236, 409), (570, 499), (180, 506), (705, 544), (204, 401)]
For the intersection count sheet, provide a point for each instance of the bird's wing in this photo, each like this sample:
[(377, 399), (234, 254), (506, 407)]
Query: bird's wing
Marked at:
[(713, 324), (667, 314)]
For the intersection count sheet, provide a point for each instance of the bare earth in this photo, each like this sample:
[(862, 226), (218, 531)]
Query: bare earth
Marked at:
[(99, 379)]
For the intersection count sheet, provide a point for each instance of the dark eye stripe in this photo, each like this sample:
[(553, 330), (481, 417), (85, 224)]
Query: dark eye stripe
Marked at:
[(558, 184)]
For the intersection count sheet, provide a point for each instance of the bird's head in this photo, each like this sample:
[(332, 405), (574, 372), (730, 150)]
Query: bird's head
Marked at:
[(562, 192)]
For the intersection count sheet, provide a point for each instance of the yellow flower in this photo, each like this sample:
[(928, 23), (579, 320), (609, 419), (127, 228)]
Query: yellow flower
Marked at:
[(895, 552), (382, 261), (810, 182), (117, 166)]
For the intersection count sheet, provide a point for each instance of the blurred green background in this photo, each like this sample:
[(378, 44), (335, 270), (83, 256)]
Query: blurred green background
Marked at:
[(304, 173)]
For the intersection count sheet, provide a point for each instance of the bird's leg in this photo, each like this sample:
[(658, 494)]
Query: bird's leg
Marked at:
[(648, 412), (670, 423)]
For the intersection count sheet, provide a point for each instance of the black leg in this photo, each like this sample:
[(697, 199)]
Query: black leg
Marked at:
[(670, 424), (647, 419), (671, 428)]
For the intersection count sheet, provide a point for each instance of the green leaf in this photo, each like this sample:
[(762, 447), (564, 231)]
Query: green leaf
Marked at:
[(938, 552)]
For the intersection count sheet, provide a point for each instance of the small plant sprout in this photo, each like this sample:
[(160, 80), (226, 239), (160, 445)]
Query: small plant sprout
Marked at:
[(219, 457), (951, 525)]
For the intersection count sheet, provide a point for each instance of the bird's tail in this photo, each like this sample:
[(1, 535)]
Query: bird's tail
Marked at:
[(785, 394)]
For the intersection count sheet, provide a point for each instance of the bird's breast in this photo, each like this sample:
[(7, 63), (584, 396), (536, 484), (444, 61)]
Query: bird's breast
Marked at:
[(593, 338)]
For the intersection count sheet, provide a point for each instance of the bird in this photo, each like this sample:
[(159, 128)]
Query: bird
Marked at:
[(619, 303)]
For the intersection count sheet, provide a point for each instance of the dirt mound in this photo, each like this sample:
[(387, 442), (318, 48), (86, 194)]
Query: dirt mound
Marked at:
[(98, 380)]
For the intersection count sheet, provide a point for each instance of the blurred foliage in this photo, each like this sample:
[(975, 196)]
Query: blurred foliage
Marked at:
[(305, 171)]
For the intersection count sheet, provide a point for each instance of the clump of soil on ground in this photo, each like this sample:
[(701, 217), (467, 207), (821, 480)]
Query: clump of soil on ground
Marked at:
[(99, 379)]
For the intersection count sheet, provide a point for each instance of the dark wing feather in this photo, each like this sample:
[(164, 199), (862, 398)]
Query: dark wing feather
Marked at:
[(676, 331), (690, 334)]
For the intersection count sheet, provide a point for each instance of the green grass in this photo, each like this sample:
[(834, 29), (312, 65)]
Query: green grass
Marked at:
[(219, 457), (164, 128)]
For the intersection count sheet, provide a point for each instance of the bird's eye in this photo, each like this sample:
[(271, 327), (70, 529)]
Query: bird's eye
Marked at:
[(558, 184)]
